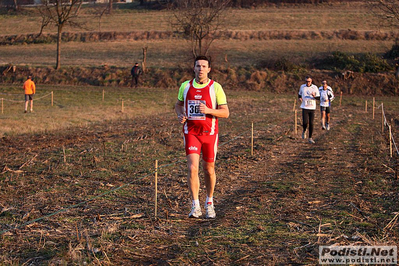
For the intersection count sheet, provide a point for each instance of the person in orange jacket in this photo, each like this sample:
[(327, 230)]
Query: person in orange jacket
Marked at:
[(30, 90)]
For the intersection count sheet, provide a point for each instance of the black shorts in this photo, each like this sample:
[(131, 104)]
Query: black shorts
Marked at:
[(325, 109), (28, 97)]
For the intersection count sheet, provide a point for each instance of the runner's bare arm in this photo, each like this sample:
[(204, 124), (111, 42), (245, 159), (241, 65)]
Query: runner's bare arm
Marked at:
[(222, 111), (179, 109)]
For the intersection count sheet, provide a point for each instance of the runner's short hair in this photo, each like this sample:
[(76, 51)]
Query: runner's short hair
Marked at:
[(202, 57)]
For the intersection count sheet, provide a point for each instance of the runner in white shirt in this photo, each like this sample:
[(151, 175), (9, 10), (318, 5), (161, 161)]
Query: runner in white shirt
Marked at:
[(326, 97), (308, 93)]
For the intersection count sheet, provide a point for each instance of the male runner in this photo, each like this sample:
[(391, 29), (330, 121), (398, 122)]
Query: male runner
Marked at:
[(308, 93), (326, 97), (29, 89), (201, 101)]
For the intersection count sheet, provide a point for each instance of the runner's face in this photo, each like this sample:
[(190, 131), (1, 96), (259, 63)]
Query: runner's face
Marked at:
[(201, 69)]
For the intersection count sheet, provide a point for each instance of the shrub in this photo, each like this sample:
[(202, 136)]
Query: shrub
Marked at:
[(339, 61), (393, 53)]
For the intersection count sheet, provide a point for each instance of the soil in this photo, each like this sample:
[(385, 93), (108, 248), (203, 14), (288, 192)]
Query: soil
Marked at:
[(275, 207)]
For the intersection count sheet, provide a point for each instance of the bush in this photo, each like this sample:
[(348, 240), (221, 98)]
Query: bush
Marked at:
[(393, 53), (339, 61)]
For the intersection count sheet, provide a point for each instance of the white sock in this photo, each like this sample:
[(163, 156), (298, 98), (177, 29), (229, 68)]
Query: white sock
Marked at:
[(209, 200), (196, 203)]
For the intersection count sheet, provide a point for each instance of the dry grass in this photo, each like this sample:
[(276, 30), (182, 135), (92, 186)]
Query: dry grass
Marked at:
[(274, 208), (169, 53), (353, 16), (76, 106)]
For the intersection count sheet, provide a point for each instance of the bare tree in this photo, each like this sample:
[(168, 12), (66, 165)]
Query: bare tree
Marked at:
[(197, 20), (386, 10), (60, 13), (16, 5), (110, 6)]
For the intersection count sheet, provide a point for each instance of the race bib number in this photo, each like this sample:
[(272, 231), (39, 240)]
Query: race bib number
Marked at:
[(309, 103), (193, 111)]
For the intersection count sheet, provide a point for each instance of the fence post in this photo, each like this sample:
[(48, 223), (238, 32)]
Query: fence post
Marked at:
[(365, 108), (382, 117), (103, 95), (252, 139), (2, 106), (373, 107), (340, 99), (295, 123), (390, 141), (122, 106), (156, 187), (52, 98)]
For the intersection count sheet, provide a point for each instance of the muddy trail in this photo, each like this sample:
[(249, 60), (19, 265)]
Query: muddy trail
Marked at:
[(86, 195)]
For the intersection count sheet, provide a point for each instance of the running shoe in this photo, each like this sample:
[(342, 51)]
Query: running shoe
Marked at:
[(327, 126), (323, 127), (303, 134), (210, 211), (311, 141), (195, 212)]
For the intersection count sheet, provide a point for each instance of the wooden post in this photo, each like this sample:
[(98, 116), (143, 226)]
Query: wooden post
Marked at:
[(103, 94), (340, 99), (390, 141), (293, 108), (63, 151), (365, 108), (2, 106), (156, 187), (373, 107), (122, 106), (295, 123), (252, 139), (144, 63), (52, 98), (382, 117)]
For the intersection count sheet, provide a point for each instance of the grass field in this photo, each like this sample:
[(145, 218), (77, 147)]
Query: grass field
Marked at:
[(77, 177), (91, 161), (170, 53), (355, 16), (76, 106)]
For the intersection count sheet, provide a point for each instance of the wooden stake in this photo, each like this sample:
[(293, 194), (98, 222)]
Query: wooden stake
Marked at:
[(103, 94), (294, 105), (382, 117), (296, 123), (122, 106), (390, 141), (252, 139), (365, 108), (373, 107), (52, 98), (2, 106), (63, 150), (340, 99), (156, 187)]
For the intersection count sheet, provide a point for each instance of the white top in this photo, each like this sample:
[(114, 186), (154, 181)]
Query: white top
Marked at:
[(326, 96), (308, 101)]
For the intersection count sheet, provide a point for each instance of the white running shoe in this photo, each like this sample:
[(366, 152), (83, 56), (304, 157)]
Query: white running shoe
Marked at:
[(210, 211), (195, 212), (328, 126), (303, 134), (311, 141)]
